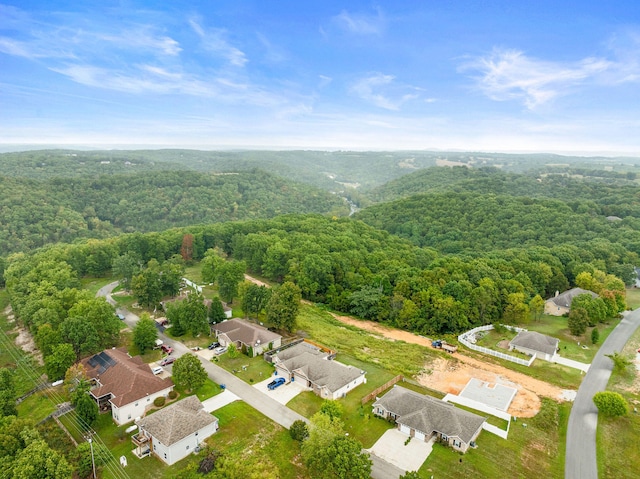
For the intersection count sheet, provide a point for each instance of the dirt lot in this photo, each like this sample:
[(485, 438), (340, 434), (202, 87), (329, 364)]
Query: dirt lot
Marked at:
[(450, 376)]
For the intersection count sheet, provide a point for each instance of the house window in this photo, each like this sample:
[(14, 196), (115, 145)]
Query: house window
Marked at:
[(196, 433), (129, 416), (445, 437)]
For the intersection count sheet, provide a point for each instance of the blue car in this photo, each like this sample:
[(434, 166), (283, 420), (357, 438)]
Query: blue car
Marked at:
[(276, 383)]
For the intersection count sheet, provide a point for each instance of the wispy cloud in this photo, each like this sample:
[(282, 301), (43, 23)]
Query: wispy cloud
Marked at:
[(361, 23), (213, 39), (382, 91), (511, 75)]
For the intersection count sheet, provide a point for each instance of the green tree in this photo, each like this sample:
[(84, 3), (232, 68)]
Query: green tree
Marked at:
[(229, 275), (38, 461), (216, 311), (211, 262), (145, 333), (595, 336), (516, 311), (255, 299), (298, 430), (125, 267), (578, 321), (536, 306), (283, 306), (7, 393), (232, 351), (188, 373), (87, 410), (322, 430), (620, 363), (47, 338), (84, 458), (146, 286), (331, 408), (347, 460), (611, 404), (101, 315), (61, 359), (81, 335)]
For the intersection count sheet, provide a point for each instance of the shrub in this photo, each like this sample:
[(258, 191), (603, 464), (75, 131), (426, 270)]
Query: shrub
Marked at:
[(298, 430), (595, 336), (611, 404), (173, 394), (159, 401)]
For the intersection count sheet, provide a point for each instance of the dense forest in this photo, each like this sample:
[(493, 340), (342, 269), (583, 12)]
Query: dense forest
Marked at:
[(37, 212)]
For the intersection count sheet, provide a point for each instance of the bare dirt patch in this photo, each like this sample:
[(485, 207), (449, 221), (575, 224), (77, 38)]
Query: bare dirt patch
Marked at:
[(8, 312), (25, 341), (451, 376), (255, 281)]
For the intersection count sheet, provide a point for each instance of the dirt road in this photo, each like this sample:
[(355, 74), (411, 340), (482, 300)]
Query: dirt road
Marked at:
[(451, 376)]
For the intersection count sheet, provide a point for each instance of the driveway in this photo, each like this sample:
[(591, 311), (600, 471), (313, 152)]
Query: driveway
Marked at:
[(583, 421), (391, 448), (283, 394), (219, 400), (571, 363)]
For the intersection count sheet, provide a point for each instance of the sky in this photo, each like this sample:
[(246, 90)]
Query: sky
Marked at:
[(472, 75)]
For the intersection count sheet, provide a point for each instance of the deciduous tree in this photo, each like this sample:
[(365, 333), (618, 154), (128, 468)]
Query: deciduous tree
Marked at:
[(283, 306), (145, 333), (61, 359), (188, 373)]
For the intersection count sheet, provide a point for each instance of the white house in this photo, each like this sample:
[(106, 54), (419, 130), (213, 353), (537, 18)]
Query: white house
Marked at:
[(245, 335), (123, 384), (175, 431), (313, 368), (561, 303), (534, 343)]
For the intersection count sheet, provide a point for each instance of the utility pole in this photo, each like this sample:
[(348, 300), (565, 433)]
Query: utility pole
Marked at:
[(93, 462)]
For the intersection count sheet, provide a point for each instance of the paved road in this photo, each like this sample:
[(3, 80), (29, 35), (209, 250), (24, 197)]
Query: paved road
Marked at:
[(580, 461), (252, 396)]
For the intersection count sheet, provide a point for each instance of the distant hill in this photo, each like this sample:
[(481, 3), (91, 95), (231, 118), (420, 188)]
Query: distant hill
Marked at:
[(37, 212)]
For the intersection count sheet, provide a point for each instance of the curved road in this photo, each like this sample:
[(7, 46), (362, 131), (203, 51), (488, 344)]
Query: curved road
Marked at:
[(254, 398), (580, 461)]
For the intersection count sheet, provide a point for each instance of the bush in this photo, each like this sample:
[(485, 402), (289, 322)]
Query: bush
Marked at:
[(611, 404), (298, 430), (159, 401), (173, 394), (499, 328), (595, 336)]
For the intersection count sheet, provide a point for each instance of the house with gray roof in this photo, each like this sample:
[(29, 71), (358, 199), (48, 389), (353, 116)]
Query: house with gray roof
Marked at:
[(245, 335), (176, 431), (424, 417), (560, 304), (534, 343), (123, 384), (313, 368)]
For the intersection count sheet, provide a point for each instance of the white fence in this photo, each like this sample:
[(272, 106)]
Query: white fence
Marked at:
[(469, 336)]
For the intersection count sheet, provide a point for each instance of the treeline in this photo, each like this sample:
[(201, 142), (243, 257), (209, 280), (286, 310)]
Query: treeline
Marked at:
[(466, 222), (34, 213), (346, 264)]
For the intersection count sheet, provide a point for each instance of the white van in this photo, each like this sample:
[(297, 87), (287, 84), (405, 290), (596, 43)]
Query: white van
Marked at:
[(157, 370)]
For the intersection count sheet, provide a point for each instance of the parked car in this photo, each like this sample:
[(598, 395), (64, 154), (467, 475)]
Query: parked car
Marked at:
[(157, 370), (121, 317), (168, 360), (277, 382), (214, 345), (166, 349), (220, 350)]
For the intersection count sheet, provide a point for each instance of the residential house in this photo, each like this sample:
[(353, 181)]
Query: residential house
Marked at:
[(424, 417), (561, 303), (247, 336), (314, 368), (123, 384), (175, 431), (533, 343)]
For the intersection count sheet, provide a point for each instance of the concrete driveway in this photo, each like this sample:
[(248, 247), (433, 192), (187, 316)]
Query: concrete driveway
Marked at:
[(391, 448), (283, 394), (219, 400)]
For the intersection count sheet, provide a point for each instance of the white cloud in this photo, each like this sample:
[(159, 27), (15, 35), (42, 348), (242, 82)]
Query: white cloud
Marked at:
[(361, 24), (380, 90), (214, 41), (324, 81), (511, 75)]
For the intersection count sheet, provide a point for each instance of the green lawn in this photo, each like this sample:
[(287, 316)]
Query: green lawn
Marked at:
[(38, 406), (250, 370), (633, 298), (93, 284), (617, 439)]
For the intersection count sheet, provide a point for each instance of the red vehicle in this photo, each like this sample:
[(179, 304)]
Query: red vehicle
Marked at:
[(166, 349), (168, 360)]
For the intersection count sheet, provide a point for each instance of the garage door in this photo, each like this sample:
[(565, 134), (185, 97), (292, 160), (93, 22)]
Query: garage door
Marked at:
[(405, 429), (419, 436)]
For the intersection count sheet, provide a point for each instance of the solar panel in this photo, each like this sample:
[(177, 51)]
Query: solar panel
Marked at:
[(102, 361)]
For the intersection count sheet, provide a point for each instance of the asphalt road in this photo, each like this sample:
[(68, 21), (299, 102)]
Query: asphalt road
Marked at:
[(252, 396), (580, 461)]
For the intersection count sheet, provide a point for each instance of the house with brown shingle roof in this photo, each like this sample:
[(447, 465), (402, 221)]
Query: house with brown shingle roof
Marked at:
[(175, 431), (424, 417), (123, 384), (245, 335)]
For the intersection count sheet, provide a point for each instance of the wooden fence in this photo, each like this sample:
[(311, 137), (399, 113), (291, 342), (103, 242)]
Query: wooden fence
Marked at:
[(377, 391)]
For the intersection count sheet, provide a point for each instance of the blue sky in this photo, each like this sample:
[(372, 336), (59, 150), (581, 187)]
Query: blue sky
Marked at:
[(547, 76)]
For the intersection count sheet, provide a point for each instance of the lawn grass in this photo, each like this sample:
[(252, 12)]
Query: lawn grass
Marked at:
[(528, 453), (257, 369), (617, 438), (633, 298), (396, 357), (93, 284), (39, 405)]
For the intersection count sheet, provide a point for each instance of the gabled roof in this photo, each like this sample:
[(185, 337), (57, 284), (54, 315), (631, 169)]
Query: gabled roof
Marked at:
[(535, 341), (127, 379), (245, 332), (322, 372), (177, 421), (564, 300), (427, 414), (298, 349)]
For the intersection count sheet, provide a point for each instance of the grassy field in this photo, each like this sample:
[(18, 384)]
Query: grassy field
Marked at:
[(250, 370), (617, 438), (94, 284), (633, 298)]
